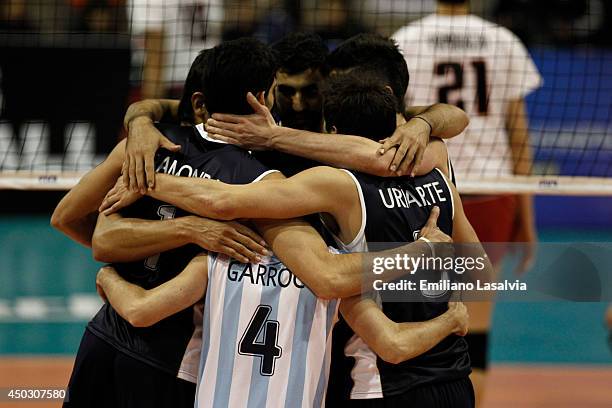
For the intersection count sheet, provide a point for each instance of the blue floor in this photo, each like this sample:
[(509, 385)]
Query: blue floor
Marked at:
[(42, 274)]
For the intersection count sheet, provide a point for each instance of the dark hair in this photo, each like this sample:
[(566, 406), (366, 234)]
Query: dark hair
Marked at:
[(225, 73), (359, 104), (453, 1), (376, 53), (298, 52), (193, 84)]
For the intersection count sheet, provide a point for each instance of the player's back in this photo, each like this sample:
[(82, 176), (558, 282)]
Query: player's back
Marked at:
[(394, 211), (478, 66), (163, 344), (266, 338)]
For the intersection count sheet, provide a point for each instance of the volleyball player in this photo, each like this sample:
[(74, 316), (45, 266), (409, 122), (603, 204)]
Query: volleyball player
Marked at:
[(361, 212), (133, 366), (157, 352), (459, 58), (366, 51), (288, 365)]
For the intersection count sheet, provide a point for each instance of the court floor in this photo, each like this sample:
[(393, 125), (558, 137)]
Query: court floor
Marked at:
[(511, 386)]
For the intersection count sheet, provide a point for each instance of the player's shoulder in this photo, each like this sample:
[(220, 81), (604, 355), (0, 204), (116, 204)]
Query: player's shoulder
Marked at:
[(246, 167), (494, 30), (413, 29), (324, 173)]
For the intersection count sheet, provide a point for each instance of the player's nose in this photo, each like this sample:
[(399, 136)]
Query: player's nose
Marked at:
[(297, 103)]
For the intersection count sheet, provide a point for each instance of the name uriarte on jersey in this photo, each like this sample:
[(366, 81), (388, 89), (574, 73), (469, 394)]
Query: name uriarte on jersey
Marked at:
[(266, 337), (393, 211), (164, 344)]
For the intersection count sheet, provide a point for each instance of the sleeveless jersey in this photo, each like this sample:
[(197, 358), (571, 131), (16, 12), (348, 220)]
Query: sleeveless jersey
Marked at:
[(394, 210), (163, 345), (266, 338)]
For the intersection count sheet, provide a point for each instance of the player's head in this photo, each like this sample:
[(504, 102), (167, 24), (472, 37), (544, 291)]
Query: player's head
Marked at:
[(359, 104), (220, 78), (375, 53), (301, 68)]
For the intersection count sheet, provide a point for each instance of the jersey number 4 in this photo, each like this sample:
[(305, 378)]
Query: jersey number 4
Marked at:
[(481, 100), (267, 350)]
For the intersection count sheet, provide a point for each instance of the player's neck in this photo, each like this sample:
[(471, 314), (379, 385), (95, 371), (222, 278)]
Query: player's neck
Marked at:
[(453, 9)]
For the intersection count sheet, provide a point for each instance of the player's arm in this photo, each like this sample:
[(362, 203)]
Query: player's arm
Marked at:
[(155, 110), (296, 243), (439, 120), (152, 72), (76, 213), (446, 121), (352, 152), (329, 275), (141, 307), (319, 189), (398, 342), (469, 245), (516, 124), (118, 239)]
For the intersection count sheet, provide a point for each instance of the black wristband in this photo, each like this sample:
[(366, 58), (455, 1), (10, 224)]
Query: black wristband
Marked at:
[(426, 121)]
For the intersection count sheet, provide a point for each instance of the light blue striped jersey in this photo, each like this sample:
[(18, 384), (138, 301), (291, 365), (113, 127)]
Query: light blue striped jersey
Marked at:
[(266, 338)]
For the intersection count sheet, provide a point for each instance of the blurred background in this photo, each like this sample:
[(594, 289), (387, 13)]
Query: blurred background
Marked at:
[(69, 69)]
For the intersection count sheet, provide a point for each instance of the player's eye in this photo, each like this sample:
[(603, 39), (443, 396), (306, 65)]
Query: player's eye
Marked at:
[(286, 91), (310, 91)]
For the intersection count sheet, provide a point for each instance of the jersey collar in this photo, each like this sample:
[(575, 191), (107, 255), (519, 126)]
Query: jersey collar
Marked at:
[(204, 134)]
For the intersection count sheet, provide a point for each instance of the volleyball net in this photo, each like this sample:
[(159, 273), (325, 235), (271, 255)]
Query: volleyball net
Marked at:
[(68, 71)]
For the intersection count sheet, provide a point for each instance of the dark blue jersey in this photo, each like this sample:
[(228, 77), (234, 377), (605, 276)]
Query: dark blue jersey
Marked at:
[(163, 344), (395, 210)]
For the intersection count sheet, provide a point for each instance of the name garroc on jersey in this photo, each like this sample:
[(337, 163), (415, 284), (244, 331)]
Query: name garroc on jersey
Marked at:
[(427, 195), (185, 170), (263, 274)]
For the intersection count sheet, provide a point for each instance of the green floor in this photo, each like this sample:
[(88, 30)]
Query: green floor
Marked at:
[(47, 291)]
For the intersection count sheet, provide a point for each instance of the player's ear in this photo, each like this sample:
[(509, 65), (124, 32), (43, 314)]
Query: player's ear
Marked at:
[(389, 89), (197, 104)]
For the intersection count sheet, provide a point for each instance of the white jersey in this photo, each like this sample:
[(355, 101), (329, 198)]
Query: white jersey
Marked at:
[(188, 27), (474, 64), (266, 338)]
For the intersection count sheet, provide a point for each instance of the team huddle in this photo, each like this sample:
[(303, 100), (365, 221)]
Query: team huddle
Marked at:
[(269, 312)]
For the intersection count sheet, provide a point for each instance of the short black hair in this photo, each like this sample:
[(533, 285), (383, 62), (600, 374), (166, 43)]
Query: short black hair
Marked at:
[(298, 52), (376, 53), (225, 73), (453, 1), (193, 84), (359, 104)]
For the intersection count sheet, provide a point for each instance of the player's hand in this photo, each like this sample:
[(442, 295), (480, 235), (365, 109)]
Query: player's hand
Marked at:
[(229, 238), (102, 272), (411, 139), (143, 141), (461, 318), (251, 132), (441, 241), (527, 245), (118, 197)]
